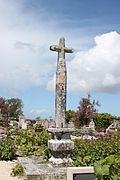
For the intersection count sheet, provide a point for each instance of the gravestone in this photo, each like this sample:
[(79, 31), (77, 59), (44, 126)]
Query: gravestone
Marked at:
[(21, 121), (92, 125), (24, 125), (80, 173), (87, 176)]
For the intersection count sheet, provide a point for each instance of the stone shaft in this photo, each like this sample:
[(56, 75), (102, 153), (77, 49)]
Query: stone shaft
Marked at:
[(61, 83)]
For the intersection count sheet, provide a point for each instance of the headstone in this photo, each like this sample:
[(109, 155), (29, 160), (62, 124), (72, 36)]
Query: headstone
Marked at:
[(116, 123), (24, 125), (92, 125), (87, 176), (80, 173), (52, 124), (71, 124), (113, 127), (61, 83), (21, 121), (45, 124)]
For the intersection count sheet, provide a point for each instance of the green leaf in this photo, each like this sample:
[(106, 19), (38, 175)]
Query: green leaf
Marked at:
[(102, 170), (115, 177)]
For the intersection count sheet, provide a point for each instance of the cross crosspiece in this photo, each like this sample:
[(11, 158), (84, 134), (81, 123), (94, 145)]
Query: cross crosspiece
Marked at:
[(61, 83), (61, 49)]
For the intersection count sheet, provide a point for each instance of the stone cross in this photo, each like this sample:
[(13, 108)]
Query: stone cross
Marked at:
[(61, 83)]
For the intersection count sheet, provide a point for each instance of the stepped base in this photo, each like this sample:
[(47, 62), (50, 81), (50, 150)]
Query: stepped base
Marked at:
[(35, 169)]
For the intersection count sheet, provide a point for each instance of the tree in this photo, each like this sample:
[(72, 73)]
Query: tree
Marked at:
[(86, 111), (4, 107), (103, 120), (9, 108), (4, 114), (15, 107), (69, 115)]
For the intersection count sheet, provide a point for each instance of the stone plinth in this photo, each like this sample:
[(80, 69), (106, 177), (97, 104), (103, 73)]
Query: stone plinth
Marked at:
[(60, 146), (60, 162), (60, 152)]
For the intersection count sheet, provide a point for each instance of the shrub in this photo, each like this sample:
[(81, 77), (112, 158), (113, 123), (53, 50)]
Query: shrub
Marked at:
[(103, 120), (77, 133), (7, 149), (17, 171), (38, 127), (108, 168), (31, 141), (86, 152)]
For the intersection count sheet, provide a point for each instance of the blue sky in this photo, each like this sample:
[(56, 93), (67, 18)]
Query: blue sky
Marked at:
[(27, 71)]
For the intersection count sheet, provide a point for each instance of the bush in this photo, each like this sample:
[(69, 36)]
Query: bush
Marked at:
[(17, 171), (38, 127), (77, 133), (31, 141), (103, 120), (7, 149), (108, 168), (86, 152), (25, 142)]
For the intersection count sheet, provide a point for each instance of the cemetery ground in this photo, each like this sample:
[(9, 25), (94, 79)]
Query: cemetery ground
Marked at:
[(103, 152), (5, 170)]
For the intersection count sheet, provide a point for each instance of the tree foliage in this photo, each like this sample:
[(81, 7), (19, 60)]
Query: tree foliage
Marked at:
[(69, 115), (103, 120), (4, 107), (86, 111), (11, 107), (4, 113), (15, 107)]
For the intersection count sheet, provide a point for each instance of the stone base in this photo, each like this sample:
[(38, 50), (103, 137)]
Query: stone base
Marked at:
[(59, 162), (60, 145), (35, 169), (61, 150)]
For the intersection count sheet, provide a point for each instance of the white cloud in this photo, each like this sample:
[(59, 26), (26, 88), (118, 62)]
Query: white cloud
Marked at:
[(25, 37), (38, 112), (24, 50), (25, 60), (97, 69)]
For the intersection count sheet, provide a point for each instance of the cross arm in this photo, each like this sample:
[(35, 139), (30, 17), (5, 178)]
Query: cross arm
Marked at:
[(54, 48), (69, 50)]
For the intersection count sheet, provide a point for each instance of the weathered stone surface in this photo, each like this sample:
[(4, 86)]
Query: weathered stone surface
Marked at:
[(92, 125), (60, 162), (60, 145), (35, 169), (63, 130), (61, 83), (61, 150), (61, 133)]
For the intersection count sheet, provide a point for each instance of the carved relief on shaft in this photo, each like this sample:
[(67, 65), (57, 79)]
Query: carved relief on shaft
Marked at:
[(61, 83)]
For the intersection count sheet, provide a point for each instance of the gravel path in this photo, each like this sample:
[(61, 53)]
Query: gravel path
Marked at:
[(5, 170)]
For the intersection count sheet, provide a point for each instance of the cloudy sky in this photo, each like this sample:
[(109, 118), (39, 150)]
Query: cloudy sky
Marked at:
[(27, 67)]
